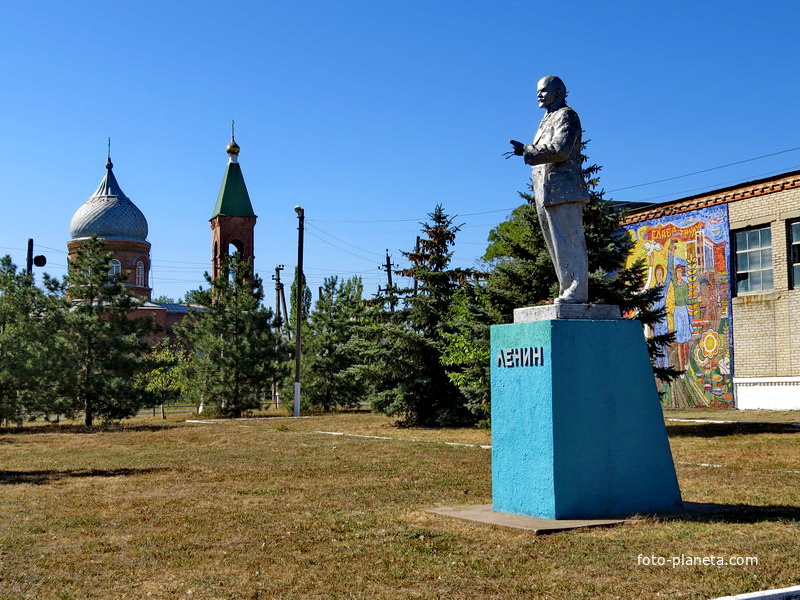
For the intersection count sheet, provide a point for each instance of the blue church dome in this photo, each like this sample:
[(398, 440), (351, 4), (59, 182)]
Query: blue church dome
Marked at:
[(109, 214)]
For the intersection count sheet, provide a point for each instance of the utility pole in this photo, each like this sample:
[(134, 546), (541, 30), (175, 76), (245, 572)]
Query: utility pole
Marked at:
[(301, 217), (278, 289), (286, 312), (278, 292), (416, 281), (30, 260), (390, 288)]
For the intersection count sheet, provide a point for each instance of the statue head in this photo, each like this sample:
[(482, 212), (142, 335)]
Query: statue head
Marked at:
[(551, 92)]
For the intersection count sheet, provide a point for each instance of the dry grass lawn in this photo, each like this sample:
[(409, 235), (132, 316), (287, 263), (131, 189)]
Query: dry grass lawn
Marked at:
[(274, 509)]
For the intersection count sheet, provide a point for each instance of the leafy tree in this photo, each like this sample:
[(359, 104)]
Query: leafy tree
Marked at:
[(107, 346), (401, 351), (328, 355), (467, 350), (235, 348), (165, 379)]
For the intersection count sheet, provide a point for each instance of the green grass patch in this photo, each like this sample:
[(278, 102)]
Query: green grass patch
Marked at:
[(243, 509)]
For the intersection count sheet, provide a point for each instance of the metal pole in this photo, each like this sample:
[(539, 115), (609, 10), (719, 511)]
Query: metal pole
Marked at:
[(298, 307), (29, 268), (29, 262)]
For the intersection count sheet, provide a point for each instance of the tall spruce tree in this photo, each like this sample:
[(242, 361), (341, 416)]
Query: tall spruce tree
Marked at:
[(401, 350), (108, 347), (235, 348)]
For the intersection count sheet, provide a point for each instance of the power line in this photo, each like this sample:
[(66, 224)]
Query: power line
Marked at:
[(717, 185), (52, 249), (738, 162), (484, 212), (181, 262), (338, 248), (345, 242)]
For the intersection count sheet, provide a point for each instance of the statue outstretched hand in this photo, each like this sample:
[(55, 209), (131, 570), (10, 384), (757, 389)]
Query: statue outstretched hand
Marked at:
[(517, 151)]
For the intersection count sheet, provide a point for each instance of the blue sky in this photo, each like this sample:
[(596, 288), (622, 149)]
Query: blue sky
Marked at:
[(369, 113)]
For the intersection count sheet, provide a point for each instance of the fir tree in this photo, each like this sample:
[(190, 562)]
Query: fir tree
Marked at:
[(328, 356), (401, 350), (235, 348)]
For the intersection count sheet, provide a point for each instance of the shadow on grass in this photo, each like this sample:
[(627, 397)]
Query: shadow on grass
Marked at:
[(73, 428), (709, 430), (738, 513), (50, 476)]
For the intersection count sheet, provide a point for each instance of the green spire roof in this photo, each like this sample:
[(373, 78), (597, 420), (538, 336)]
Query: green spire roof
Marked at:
[(233, 199)]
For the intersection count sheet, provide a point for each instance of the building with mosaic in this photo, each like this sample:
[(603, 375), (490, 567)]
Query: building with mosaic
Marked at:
[(729, 260)]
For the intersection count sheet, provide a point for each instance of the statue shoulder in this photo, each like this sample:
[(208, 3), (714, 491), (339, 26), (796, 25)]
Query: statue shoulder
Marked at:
[(568, 114)]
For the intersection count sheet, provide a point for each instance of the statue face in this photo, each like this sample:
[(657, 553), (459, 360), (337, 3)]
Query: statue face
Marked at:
[(547, 92)]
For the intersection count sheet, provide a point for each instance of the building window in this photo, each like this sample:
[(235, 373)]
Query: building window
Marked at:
[(140, 274), (116, 268), (794, 253), (753, 260)]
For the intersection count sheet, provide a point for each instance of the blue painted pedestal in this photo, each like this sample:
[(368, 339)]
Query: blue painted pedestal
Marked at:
[(577, 428)]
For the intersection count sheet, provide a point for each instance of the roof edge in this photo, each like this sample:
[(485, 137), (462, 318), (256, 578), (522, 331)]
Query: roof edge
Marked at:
[(745, 189)]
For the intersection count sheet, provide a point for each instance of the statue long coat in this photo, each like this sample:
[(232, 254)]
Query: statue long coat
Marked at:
[(555, 156)]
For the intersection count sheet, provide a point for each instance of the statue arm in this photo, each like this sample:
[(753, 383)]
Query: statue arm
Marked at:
[(566, 131)]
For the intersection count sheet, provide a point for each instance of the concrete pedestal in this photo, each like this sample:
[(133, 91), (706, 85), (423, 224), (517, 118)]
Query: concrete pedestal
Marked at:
[(577, 429)]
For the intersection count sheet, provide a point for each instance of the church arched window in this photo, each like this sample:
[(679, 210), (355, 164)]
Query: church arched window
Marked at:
[(140, 274), (115, 268)]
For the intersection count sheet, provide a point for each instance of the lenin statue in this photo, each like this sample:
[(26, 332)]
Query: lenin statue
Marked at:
[(559, 189)]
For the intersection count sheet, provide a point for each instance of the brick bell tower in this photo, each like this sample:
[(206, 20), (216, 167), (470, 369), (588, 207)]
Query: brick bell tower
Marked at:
[(233, 220)]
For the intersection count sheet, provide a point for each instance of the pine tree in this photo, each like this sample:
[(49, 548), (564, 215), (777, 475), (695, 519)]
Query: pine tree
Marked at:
[(235, 347), (30, 349), (108, 347)]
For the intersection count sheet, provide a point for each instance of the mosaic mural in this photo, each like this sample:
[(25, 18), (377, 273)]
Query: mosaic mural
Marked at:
[(688, 254)]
